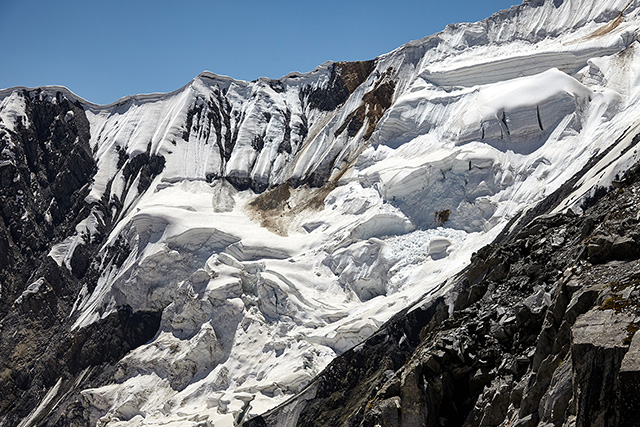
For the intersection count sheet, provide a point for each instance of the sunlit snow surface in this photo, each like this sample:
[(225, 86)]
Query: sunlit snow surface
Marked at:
[(486, 119)]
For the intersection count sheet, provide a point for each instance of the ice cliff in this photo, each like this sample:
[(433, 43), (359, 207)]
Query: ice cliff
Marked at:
[(232, 238)]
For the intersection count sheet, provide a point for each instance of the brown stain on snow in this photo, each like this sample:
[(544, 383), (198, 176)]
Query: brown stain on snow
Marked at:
[(277, 208), (605, 29), (374, 104)]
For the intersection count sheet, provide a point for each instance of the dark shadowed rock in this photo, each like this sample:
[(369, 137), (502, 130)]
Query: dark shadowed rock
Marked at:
[(629, 380)]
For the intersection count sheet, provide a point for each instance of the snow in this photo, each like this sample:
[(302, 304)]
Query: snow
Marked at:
[(522, 107), (486, 120), (32, 289), (46, 400), (438, 245), (12, 109)]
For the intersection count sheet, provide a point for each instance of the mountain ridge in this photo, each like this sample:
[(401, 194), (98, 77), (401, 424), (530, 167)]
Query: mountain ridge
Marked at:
[(233, 238)]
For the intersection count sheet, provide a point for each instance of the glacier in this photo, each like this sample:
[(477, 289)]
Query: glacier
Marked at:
[(276, 224)]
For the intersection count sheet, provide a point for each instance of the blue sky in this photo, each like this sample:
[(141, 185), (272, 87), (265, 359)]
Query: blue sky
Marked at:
[(106, 50)]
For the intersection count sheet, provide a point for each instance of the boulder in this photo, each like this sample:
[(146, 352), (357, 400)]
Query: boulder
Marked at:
[(598, 349)]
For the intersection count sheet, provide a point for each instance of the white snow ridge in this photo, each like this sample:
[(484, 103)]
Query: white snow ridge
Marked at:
[(284, 229)]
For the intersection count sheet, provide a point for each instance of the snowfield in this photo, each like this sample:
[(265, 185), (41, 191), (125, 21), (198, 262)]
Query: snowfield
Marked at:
[(263, 282)]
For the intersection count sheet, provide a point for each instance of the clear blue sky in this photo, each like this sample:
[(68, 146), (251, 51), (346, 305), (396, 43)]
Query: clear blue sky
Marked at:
[(104, 50)]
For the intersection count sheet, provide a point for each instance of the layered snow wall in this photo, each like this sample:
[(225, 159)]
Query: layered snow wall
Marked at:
[(288, 219)]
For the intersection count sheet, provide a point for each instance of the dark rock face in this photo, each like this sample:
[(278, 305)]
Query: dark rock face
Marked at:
[(46, 168), (345, 78), (86, 354), (629, 380), (146, 166), (374, 104), (45, 174), (540, 329)]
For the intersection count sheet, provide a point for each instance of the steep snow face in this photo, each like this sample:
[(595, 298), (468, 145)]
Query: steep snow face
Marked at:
[(256, 135), (276, 224)]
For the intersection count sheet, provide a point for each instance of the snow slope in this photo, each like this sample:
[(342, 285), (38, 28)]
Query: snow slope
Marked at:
[(283, 230)]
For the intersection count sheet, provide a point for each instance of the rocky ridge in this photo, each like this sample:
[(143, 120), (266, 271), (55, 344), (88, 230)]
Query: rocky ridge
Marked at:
[(53, 191), (47, 169)]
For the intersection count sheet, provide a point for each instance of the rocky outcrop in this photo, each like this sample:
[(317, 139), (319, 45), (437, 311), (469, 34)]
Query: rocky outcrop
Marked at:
[(46, 170), (344, 78), (46, 165), (540, 329)]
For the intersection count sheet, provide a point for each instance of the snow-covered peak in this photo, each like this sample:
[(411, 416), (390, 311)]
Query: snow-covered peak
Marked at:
[(277, 223)]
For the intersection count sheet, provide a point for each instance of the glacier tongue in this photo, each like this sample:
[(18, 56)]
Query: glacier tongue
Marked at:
[(278, 223)]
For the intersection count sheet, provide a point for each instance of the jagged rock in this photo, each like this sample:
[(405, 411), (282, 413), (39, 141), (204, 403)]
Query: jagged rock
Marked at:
[(624, 248), (554, 405), (528, 421), (497, 397), (53, 176), (607, 247), (599, 248), (597, 351), (629, 380), (386, 413), (52, 167), (538, 301)]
